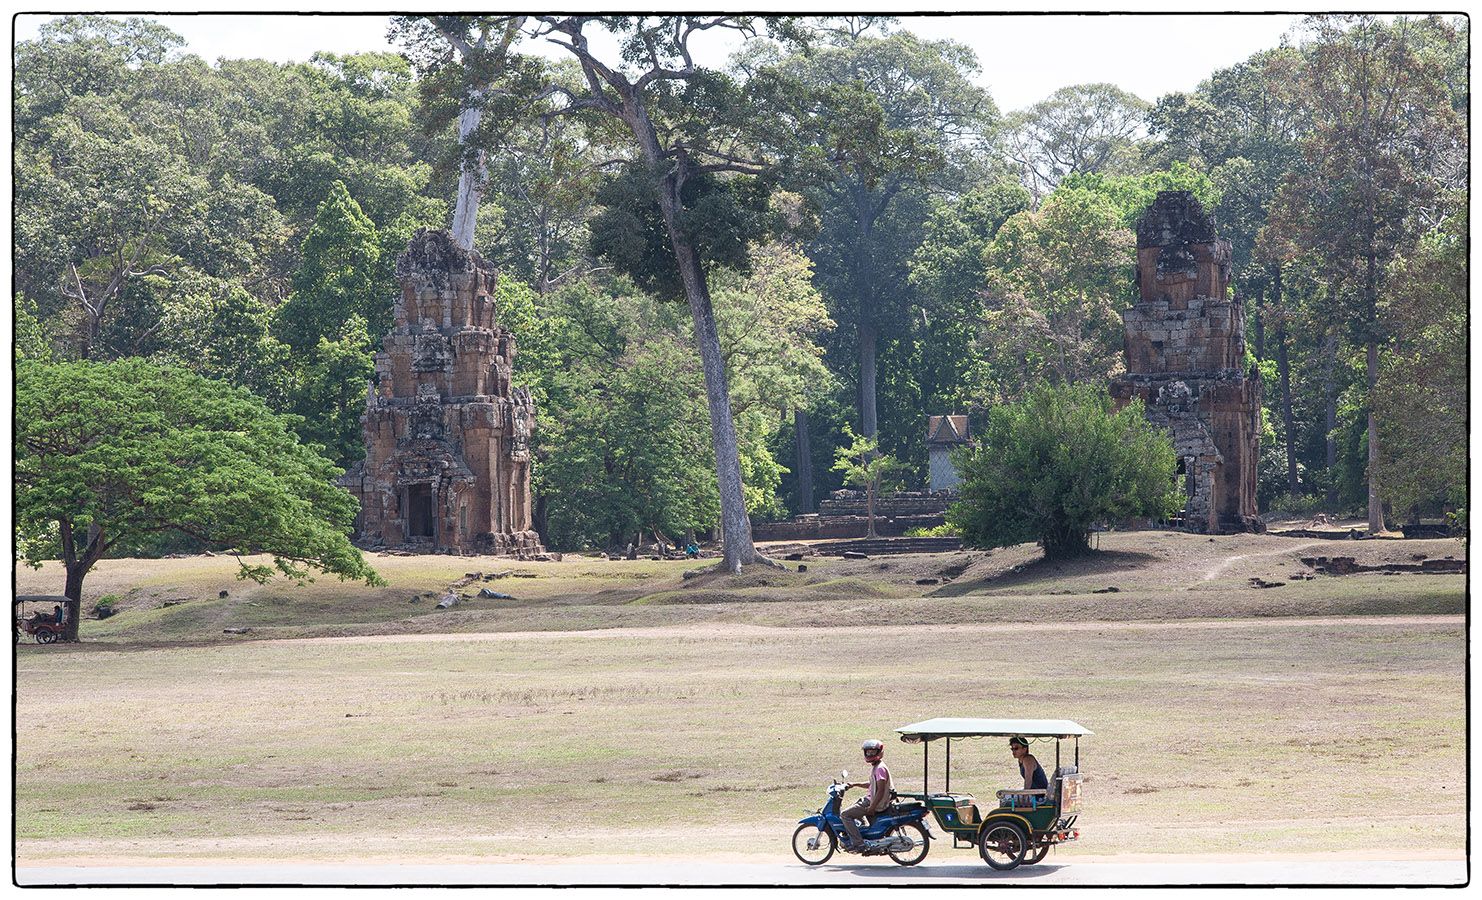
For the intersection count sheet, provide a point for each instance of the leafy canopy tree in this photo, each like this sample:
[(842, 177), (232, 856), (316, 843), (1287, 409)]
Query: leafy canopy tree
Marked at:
[(1421, 395), (329, 395), (1381, 150), (109, 453), (1050, 466), (864, 466), (336, 276), (894, 118), (1057, 281), (1077, 130)]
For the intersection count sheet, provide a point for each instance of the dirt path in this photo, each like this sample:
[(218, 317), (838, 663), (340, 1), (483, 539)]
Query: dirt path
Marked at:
[(727, 629), (945, 869), (1214, 571)]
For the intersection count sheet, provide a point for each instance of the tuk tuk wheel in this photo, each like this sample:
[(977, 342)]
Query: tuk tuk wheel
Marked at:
[(45, 637), (1002, 845), (1037, 854), (813, 845)]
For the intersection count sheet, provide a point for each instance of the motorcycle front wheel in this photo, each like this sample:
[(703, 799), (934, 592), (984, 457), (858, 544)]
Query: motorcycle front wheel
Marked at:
[(917, 836), (813, 845)]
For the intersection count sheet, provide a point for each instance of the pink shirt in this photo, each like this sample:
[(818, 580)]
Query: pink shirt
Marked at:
[(879, 787)]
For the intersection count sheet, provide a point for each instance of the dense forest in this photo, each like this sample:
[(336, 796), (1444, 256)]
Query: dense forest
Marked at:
[(880, 241)]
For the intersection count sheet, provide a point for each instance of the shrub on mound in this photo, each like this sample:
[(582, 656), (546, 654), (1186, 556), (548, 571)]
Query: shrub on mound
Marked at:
[(1052, 465)]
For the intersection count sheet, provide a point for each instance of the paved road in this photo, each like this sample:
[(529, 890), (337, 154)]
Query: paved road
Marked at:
[(1258, 871)]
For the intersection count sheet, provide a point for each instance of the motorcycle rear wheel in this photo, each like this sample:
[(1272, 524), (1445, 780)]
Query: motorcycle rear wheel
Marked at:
[(822, 843), (918, 836)]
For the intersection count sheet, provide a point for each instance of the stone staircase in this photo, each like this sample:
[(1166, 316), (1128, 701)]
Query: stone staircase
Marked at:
[(888, 546)]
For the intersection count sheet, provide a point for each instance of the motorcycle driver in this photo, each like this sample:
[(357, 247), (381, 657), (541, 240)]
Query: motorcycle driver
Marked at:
[(877, 798)]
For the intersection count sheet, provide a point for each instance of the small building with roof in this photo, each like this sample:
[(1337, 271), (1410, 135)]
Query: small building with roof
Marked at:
[(943, 435)]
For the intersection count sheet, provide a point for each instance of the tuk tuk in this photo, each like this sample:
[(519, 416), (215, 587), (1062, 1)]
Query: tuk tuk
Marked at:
[(1020, 826), (36, 615)]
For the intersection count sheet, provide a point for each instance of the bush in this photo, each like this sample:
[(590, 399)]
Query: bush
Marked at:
[(104, 607), (943, 530), (1054, 464)]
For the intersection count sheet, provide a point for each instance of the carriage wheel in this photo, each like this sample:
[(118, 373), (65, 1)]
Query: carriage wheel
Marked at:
[(45, 637), (1002, 845)]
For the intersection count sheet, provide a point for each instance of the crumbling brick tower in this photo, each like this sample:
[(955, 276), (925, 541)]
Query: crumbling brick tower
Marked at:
[(1185, 346), (447, 438)]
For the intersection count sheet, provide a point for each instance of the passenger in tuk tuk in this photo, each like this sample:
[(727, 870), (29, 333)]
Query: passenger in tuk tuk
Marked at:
[(1032, 772)]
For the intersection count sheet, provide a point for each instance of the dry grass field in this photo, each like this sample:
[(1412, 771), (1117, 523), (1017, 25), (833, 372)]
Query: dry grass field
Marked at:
[(615, 709), (1156, 576)]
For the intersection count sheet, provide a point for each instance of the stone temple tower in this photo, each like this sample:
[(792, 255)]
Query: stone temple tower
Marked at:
[(447, 438), (1185, 346)]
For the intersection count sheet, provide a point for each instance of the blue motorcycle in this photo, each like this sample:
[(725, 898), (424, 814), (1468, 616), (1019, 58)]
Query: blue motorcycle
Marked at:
[(898, 831)]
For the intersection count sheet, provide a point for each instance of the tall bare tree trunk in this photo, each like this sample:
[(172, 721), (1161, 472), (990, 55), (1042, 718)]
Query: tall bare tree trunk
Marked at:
[(1371, 301), (867, 341), (1260, 322), (1330, 412), (1284, 371), (470, 178), (1376, 505), (804, 462), (737, 545)]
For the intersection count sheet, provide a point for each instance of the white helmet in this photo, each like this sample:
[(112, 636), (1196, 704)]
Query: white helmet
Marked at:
[(873, 750)]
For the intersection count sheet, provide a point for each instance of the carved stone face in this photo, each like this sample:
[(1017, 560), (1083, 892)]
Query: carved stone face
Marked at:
[(426, 419)]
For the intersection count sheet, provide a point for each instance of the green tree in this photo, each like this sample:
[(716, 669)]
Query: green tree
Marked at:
[(217, 329), (330, 394), (1383, 135), (336, 277), (1057, 281), (30, 333), (1081, 129), (1131, 194), (893, 115), (622, 445), (103, 211), (864, 466), (111, 452), (949, 272), (1050, 466), (1422, 389)]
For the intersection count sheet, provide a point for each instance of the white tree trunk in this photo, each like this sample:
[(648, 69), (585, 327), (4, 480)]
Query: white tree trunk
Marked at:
[(470, 180)]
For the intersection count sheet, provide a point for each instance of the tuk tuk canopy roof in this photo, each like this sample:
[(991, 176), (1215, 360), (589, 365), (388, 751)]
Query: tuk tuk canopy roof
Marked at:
[(932, 729)]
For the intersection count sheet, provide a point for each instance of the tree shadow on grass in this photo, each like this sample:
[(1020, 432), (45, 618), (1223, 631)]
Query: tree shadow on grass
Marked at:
[(1042, 571)]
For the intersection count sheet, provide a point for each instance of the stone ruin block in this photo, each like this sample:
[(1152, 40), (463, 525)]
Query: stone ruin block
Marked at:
[(1185, 350), (447, 439)]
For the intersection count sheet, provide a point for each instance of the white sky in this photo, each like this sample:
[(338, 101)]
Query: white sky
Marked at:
[(1024, 58)]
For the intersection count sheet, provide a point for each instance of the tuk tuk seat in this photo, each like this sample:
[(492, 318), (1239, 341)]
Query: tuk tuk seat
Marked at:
[(1032, 799)]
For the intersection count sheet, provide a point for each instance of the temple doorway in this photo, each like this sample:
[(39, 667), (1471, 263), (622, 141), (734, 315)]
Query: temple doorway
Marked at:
[(419, 510)]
